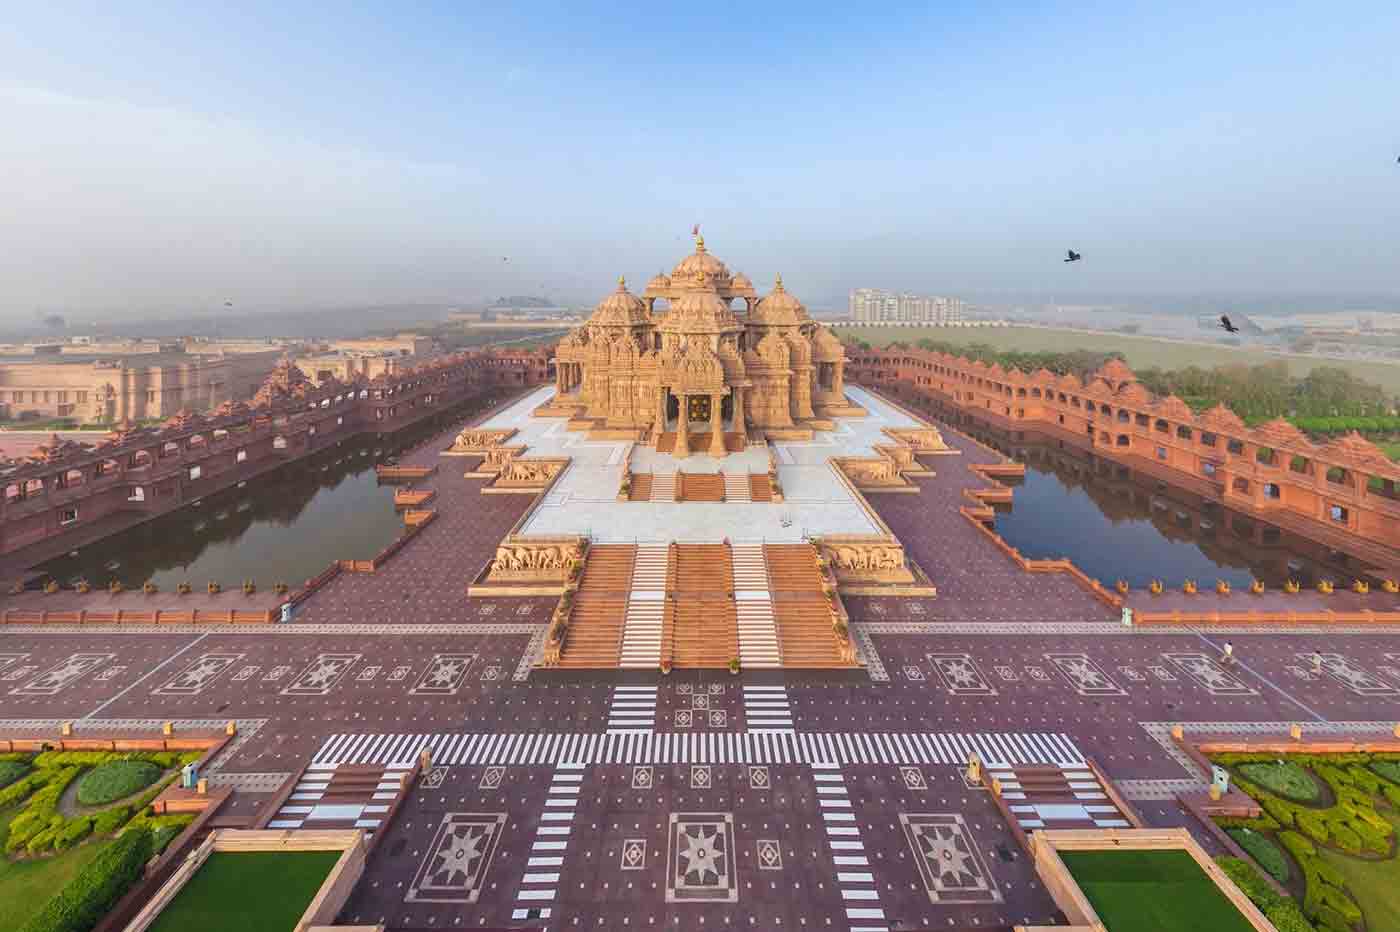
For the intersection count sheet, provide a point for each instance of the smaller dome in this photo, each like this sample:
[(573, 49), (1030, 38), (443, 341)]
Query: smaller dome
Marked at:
[(740, 282), (659, 280), (620, 309), (779, 307)]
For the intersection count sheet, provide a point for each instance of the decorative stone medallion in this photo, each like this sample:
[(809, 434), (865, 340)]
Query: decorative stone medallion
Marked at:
[(960, 675), (700, 777), (434, 778), (62, 675), (634, 854), (719, 718), (198, 674), (949, 864), (641, 778), (759, 778), (700, 858), (491, 778), (321, 675), (457, 859), (913, 778), (1209, 674), (444, 675), (1087, 677), (770, 854)]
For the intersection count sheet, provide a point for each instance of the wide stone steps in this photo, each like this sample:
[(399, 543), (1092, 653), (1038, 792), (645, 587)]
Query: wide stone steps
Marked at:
[(599, 613), (646, 607), (760, 489), (641, 487), (663, 487)]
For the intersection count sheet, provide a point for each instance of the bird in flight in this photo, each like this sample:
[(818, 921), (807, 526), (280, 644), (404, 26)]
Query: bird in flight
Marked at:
[(1226, 325), (505, 258), (228, 304), (1072, 256)]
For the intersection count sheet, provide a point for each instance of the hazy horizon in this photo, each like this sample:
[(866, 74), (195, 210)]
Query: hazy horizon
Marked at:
[(159, 162)]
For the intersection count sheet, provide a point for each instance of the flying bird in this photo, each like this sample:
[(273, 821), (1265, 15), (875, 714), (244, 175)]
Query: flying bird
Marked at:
[(228, 304), (505, 258), (1072, 256), (1226, 325)]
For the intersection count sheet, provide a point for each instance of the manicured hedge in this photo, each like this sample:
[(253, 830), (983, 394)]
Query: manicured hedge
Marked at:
[(1280, 910), (1286, 779), (116, 780), (1264, 852), (87, 897), (41, 812), (12, 770), (1389, 769)]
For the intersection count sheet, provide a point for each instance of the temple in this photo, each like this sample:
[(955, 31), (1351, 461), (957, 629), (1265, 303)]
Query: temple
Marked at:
[(699, 376)]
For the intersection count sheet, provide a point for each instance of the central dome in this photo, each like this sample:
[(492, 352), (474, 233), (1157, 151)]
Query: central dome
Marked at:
[(699, 312), (699, 268)]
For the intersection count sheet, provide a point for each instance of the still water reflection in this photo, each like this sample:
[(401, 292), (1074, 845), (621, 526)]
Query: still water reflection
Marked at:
[(1115, 525), (283, 526)]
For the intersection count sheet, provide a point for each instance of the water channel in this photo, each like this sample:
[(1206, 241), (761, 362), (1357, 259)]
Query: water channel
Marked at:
[(286, 525), (1115, 524)]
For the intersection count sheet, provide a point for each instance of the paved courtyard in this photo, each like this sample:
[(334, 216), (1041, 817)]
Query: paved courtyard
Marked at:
[(700, 800), (584, 500)]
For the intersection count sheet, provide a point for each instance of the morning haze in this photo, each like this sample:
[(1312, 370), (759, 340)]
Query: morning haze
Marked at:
[(157, 166)]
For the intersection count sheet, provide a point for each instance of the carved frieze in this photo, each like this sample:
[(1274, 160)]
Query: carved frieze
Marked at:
[(855, 560), (540, 560), (477, 440)]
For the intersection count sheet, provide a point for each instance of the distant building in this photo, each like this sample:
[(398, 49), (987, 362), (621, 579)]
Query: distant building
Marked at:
[(872, 306), (100, 389)]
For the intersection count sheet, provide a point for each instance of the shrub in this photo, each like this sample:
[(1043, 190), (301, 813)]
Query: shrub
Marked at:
[(1364, 780), (1282, 911), (1345, 837), (1297, 845), (1281, 810), (86, 898), (22, 787), (115, 780), (12, 770), (1265, 823), (40, 810), (1287, 779), (1265, 853), (109, 820), (1333, 898), (1287, 917), (43, 840), (1388, 769), (72, 831), (1314, 825)]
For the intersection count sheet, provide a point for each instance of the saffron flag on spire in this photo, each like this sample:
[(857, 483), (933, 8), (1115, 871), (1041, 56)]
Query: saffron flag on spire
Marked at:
[(695, 230)]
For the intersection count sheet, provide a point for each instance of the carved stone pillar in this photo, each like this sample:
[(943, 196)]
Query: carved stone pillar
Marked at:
[(716, 426), (659, 427), (838, 378), (683, 428), (739, 426)]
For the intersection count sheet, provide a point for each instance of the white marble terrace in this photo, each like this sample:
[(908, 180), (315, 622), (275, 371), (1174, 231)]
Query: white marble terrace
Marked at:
[(584, 500)]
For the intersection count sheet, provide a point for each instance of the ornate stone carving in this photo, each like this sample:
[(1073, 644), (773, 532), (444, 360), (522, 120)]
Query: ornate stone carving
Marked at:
[(855, 560), (541, 560), (475, 440), (529, 472)]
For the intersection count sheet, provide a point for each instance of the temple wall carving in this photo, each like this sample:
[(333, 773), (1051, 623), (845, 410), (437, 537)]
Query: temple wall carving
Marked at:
[(535, 559), (859, 559)]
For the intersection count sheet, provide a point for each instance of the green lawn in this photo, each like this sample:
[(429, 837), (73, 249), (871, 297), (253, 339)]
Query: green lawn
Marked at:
[(27, 885), (1375, 885), (235, 892), (1141, 352), (1152, 891)]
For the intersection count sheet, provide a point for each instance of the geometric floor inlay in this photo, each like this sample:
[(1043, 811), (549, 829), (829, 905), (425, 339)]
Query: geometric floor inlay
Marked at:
[(700, 858), (949, 864), (457, 859)]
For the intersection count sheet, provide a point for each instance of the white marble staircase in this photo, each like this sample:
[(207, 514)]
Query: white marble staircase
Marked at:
[(753, 606), (663, 487), (646, 608), (737, 488)]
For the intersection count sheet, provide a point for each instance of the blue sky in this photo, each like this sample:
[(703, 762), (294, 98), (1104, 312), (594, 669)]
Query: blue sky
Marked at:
[(160, 156)]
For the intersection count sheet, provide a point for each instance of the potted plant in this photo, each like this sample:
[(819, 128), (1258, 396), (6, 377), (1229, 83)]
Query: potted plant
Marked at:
[(1291, 586), (1122, 586), (249, 587), (1325, 586), (17, 588), (1222, 587), (1257, 587), (280, 588), (1189, 587), (1155, 587), (51, 587), (840, 629), (734, 666), (215, 588), (184, 588), (149, 588), (1390, 586), (1360, 587), (83, 587), (666, 666)]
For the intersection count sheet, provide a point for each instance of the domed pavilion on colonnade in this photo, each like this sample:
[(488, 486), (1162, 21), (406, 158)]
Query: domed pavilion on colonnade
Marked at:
[(694, 374)]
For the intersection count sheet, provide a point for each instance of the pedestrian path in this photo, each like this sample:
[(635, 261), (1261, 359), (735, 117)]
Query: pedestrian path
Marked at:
[(751, 747), (1056, 797), (853, 876), (540, 885), (633, 708), (766, 708)]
